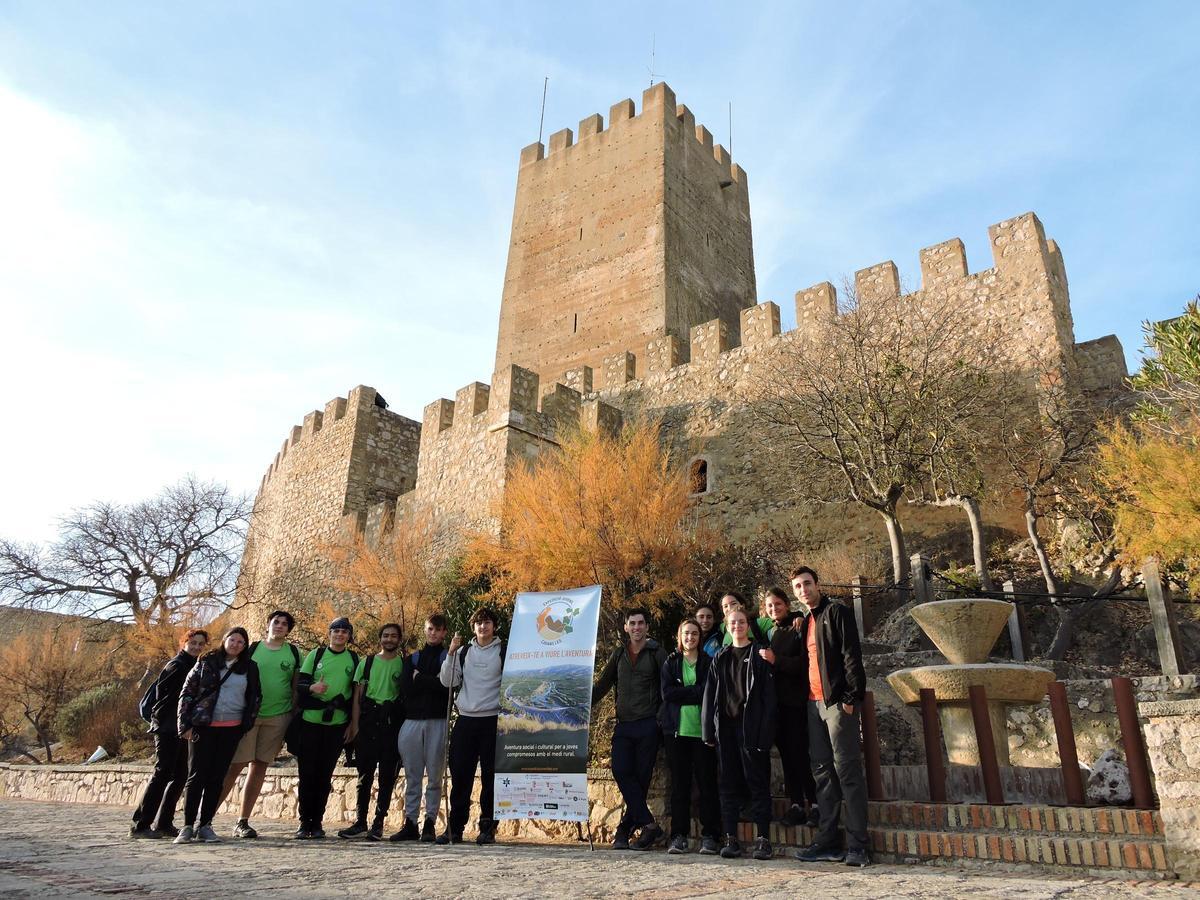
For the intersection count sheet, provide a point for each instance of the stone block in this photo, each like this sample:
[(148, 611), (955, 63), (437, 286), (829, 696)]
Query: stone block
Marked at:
[(760, 324)]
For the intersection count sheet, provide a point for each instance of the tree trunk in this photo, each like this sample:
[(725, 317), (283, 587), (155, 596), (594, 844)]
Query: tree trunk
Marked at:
[(1031, 520), (971, 506), (900, 569), (1070, 615)]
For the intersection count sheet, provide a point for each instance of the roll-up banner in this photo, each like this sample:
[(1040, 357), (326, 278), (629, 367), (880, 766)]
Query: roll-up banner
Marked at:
[(545, 706)]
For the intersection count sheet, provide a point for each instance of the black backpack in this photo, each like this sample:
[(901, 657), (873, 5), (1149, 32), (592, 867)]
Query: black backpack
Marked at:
[(150, 699)]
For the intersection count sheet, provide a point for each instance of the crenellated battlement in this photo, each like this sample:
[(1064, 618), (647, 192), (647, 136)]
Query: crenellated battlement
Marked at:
[(658, 107), (1024, 282), (516, 399)]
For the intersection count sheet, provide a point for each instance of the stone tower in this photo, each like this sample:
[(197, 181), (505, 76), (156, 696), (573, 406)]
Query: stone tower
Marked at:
[(625, 238)]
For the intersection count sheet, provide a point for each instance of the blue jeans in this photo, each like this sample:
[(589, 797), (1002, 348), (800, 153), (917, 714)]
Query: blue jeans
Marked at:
[(634, 749)]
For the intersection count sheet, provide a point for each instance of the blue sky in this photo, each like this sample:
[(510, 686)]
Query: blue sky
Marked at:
[(216, 217)]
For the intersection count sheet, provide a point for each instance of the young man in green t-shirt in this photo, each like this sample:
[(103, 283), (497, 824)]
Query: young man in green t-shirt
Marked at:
[(326, 690), (278, 669), (375, 720)]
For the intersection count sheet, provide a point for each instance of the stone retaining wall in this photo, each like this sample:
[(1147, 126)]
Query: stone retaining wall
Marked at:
[(1173, 743)]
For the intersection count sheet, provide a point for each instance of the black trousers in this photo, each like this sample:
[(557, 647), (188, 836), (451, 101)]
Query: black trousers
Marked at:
[(691, 760), (634, 751), (472, 743), (791, 737), (376, 747), (320, 747), (209, 754), (159, 799), (742, 775)]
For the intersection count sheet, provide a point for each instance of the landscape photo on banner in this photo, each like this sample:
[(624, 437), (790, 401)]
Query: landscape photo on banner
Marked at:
[(546, 705)]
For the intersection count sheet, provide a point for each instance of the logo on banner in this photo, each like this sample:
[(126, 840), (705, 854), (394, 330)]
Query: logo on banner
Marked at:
[(554, 621)]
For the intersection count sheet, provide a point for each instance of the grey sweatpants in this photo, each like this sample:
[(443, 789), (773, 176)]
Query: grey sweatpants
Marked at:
[(836, 755), (422, 753)]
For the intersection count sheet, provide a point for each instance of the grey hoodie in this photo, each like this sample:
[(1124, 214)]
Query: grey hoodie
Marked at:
[(480, 694)]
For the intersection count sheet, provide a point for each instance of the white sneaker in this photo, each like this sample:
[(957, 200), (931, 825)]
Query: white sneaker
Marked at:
[(185, 836), (206, 834)]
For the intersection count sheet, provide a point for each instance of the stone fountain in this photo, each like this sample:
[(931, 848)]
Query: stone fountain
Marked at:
[(965, 632)]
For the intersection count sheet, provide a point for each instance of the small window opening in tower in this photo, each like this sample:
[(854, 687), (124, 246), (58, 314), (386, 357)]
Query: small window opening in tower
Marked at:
[(698, 474), (581, 234), (575, 325)]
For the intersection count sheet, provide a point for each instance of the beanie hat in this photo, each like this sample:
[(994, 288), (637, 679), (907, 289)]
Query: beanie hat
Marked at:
[(342, 622)]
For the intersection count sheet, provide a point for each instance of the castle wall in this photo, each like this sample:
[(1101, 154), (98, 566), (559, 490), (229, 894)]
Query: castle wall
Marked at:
[(620, 236), (326, 474)]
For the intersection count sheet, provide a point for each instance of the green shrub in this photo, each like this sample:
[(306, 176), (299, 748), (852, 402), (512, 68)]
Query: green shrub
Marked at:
[(95, 717)]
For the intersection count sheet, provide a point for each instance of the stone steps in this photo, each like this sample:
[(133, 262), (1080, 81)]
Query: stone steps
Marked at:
[(1124, 842)]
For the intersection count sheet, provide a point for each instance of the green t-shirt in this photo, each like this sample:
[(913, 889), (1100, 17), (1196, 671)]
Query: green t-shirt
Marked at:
[(337, 671), (385, 678), (765, 624), (275, 671), (689, 715)]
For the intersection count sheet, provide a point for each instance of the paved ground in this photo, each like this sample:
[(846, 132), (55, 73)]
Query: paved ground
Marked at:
[(58, 850)]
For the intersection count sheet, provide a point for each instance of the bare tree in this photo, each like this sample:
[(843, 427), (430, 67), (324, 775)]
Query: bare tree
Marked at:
[(143, 563), (1047, 442), (857, 407)]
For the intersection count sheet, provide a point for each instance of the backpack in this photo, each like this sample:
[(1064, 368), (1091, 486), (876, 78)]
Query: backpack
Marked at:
[(150, 700), (312, 703), (462, 660)]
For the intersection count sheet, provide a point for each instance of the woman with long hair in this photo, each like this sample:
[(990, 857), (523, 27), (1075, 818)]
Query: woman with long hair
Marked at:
[(710, 633), (219, 703), (683, 677)]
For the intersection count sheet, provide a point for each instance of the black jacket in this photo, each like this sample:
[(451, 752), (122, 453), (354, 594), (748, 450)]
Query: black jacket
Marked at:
[(203, 685), (639, 685), (839, 656), (676, 694), (170, 685), (758, 716), (425, 697), (791, 664)]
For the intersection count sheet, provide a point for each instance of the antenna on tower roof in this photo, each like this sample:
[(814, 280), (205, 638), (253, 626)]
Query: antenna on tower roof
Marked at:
[(731, 128), (542, 117), (652, 59)]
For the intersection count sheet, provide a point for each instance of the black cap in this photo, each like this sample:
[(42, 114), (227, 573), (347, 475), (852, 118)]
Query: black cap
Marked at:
[(342, 622)]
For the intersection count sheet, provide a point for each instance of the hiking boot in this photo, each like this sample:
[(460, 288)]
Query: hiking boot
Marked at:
[(449, 837), (487, 832), (651, 835), (302, 833), (167, 830), (732, 848), (185, 836), (621, 838), (375, 832), (762, 848), (793, 817), (679, 844), (814, 816), (709, 845), (354, 830), (820, 853), (243, 830), (206, 834), (428, 831), (141, 834), (858, 856), (316, 832), (408, 832)]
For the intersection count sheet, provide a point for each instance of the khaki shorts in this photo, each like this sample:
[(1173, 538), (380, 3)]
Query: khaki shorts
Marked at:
[(263, 742)]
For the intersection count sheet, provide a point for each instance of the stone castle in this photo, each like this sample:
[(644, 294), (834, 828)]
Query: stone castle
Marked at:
[(629, 290)]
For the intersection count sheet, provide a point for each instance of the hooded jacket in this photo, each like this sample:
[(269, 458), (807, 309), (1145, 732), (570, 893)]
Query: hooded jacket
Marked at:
[(203, 685), (425, 697), (676, 694), (839, 656), (638, 683), (170, 686), (478, 670), (761, 709), (791, 664)]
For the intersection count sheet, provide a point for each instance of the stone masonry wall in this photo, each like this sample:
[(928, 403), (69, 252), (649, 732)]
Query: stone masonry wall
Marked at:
[(1173, 742), (326, 474), (634, 231)]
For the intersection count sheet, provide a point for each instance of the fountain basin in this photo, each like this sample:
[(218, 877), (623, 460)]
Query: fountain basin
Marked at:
[(964, 630), (1006, 684)]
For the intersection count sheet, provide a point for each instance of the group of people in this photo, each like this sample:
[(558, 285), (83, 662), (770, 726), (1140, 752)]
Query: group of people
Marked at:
[(734, 687)]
